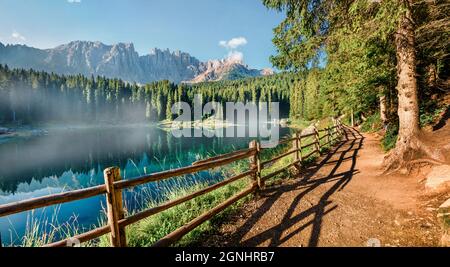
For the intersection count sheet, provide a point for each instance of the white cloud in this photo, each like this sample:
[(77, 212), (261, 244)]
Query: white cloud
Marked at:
[(17, 36), (73, 1), (235, 56), (233, 43)]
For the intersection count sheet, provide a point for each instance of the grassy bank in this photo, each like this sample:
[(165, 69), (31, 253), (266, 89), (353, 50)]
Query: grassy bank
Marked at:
[(286, 161), (148, 231)]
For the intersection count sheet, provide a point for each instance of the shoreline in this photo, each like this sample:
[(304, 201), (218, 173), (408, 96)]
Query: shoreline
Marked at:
[(9, 131), (211, 124)]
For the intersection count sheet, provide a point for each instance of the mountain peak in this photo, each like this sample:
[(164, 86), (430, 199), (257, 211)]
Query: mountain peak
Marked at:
[(267, 72), (125, 45), (226, 69), (95, 44), (157, 51)]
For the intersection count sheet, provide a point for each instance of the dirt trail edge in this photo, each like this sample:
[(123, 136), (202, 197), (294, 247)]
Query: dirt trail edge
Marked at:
[(342, 200)]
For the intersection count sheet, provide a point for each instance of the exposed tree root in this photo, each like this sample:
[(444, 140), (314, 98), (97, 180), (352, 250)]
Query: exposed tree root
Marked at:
[(429, 161), (411, 152)]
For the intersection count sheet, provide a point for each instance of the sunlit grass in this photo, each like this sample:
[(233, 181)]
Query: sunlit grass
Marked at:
[(43, 229), (148, 231)]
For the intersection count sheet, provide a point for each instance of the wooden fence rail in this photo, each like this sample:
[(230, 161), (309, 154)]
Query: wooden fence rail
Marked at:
[(114, 185)]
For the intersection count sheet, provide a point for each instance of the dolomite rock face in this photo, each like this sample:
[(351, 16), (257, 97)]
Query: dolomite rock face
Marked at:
[(227, 69), (95, 58), (122, 61), (113, 61)]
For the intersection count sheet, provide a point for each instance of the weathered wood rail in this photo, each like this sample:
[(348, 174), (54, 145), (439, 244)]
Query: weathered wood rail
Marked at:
[(114, 186)]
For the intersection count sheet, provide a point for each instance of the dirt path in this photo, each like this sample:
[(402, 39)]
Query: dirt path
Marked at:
[(343, 200)]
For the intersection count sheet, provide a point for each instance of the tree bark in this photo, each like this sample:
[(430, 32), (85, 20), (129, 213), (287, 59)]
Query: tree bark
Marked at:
[(407, 145), (408, 105)]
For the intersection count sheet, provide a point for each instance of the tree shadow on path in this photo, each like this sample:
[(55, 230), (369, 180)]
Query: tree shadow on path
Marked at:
[(308, 180)]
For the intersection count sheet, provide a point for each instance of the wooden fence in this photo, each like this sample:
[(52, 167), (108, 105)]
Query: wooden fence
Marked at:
[(114, 186)]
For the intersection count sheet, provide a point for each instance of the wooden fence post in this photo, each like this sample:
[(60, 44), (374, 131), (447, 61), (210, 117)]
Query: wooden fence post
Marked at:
[(338, 128), (329, 136), (341, 128), (255, 162), (336, 133), (316, 137), (296, 147), (261, 183), (353, 119), (299, 138), (114, 206)]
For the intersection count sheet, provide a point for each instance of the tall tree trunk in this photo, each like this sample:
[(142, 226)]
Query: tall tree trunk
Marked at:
[(409, 149), (407, 145), (408, 105)]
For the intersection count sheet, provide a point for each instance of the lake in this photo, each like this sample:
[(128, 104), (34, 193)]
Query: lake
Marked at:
[(68, 159)]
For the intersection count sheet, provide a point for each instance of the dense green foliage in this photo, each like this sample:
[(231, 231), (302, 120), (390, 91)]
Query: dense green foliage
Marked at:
[(344, 67), (390, 137), (346, 53)]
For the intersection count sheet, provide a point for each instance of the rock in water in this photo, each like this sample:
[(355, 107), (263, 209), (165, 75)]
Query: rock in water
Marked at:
[(4, 130)]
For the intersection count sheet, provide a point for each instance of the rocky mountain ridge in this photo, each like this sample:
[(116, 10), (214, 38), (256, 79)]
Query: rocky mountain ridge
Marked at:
[(122, 61)]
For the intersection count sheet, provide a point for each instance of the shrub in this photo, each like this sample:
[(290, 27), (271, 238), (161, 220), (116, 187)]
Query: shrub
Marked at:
[(429, 112), (372, 124), (390, 137)]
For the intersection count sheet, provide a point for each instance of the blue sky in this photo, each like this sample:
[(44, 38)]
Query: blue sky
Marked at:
[(194, 26)]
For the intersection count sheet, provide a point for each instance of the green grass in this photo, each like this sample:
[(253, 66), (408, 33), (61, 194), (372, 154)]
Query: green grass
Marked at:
[(299, 124), (42, 230), (282, 163), (148, 231)]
